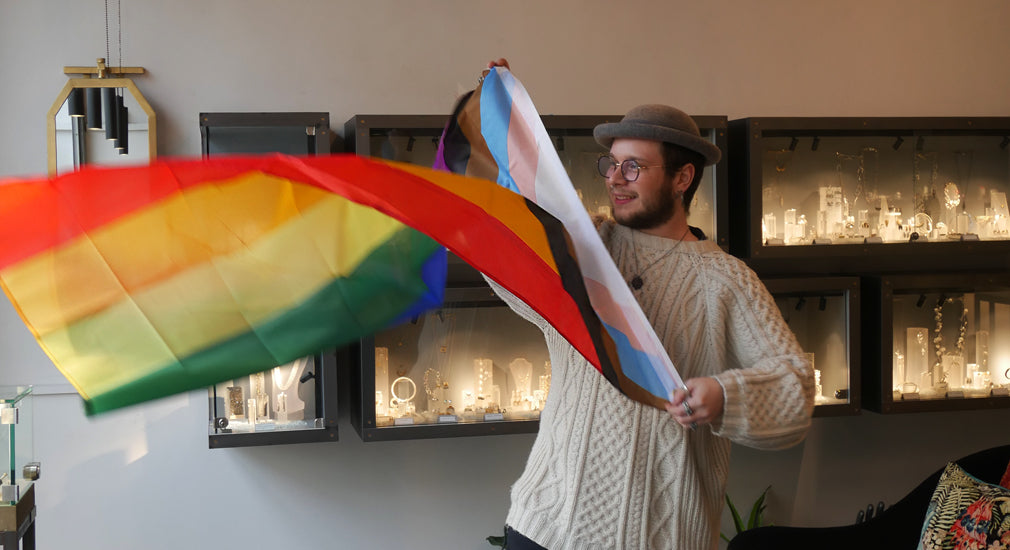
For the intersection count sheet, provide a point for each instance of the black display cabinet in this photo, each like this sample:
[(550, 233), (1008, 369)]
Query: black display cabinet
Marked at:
[(472, 367), (302, 133), (824, 313), (940, 342), (870, 195), (296, 402), (292, 403), (413, 350)]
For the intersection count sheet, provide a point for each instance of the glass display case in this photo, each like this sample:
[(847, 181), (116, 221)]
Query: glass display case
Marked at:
[(16, 438), (944, 343), (296, 402), (823, 313), (20, 468), (292, 403), (847, 195), (471, 368), (414, 139)]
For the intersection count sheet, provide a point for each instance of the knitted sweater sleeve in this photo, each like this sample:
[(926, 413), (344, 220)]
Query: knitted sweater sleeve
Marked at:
[(769, 389)]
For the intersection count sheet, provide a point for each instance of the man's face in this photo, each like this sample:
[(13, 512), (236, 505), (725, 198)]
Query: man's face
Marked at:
[(648, 202)]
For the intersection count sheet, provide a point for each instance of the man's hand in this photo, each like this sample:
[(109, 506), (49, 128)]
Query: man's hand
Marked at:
[(500, 62), (704, 399)]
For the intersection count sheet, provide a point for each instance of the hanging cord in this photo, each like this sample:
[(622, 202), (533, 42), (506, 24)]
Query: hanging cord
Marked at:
[(108, 54), (119, 30)]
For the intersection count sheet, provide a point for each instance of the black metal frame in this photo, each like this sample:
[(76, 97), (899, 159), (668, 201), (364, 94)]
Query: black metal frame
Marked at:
[(849, 288), (362, 384), (325, 374), (316, 143), (878, 334), (745, 210)]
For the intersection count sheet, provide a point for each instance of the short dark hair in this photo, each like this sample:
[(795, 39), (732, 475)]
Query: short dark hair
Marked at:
[(676, 157)]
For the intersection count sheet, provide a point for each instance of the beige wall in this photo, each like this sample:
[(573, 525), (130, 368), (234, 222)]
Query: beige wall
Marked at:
[(144, 479)]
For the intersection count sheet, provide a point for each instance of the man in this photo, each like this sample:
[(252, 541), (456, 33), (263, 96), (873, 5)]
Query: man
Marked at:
[(609, 472)]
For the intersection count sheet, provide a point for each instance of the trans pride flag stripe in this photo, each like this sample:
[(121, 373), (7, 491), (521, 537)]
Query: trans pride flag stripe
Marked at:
[(497, 134)]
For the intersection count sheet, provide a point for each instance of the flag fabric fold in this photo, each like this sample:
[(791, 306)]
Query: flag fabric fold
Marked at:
[(143, 282), (496, 133)]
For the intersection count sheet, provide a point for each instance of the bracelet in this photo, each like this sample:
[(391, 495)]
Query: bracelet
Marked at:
[(413, 389)]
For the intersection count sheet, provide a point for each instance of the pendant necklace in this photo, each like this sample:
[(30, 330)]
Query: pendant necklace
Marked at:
[(296, 367), (636, 282)]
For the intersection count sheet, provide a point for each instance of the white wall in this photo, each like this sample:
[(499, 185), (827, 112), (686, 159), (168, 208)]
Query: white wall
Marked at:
[(143, 478)]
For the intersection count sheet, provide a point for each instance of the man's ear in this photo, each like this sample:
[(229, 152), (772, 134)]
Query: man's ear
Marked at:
[(684, 178)]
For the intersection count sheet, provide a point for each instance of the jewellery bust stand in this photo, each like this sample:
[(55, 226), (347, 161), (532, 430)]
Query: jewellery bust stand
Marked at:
[(287, 405)]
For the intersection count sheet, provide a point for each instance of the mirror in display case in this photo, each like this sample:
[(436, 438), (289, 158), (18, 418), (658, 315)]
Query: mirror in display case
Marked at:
[(414, 139), (823, 313), (945, 343), (472, 367), (844, 195), (292, 403)]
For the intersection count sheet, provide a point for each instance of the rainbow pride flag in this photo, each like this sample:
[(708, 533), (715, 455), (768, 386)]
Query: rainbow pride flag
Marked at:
[(143, 282), (495, 133)]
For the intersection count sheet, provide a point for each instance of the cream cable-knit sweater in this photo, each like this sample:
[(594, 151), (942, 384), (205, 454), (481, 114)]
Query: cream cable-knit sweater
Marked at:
[(606, 472)]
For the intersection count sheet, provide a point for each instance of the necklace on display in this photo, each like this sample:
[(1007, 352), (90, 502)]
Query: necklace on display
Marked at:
[(636, 282), (296, 367)]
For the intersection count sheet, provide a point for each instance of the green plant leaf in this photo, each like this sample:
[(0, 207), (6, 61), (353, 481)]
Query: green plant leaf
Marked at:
[(737, 521), (498, 541), (757, 511), (755, 519)]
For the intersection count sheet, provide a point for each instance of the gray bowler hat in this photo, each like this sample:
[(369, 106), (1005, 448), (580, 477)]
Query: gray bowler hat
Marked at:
[(659, 123)]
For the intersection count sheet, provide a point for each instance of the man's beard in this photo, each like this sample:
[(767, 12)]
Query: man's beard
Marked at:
[(653, 213)]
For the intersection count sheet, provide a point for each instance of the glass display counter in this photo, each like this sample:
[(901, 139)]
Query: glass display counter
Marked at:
[(945, 343), (823, 313), (292, 403), (850, 195), (16, 438), (20, 468)]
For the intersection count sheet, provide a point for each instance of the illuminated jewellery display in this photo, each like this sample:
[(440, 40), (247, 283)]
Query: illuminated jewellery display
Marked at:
[(257, 383), (236, 403), (940, 349), (396, 401), (282, 384)]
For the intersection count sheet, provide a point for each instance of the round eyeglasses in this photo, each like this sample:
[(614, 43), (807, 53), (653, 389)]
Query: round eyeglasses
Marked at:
[(630, 168)]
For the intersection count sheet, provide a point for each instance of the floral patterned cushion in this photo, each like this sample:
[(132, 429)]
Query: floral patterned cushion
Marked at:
[(965, 513), (1005, 481)]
